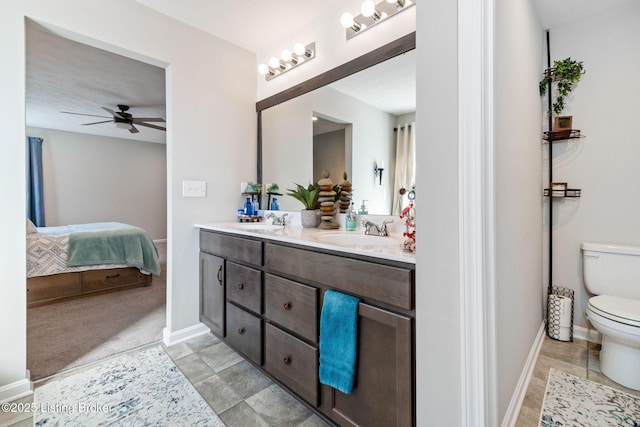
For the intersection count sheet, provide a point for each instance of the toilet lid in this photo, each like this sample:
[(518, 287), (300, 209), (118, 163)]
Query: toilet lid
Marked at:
[(623, 310)]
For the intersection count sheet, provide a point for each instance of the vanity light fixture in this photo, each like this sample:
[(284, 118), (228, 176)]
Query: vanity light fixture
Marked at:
[(378, 168), (288, 60), (372, 14)]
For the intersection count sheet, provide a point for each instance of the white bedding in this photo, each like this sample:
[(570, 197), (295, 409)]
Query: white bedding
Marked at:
[(47, 253)]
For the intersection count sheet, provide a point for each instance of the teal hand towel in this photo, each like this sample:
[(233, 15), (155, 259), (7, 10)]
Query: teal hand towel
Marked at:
[(338, 340)]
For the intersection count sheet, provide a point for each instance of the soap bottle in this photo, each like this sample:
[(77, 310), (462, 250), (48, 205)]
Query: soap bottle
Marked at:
[(248, 207), (363, 208), (255, 205), (351, 222), (274, 204)]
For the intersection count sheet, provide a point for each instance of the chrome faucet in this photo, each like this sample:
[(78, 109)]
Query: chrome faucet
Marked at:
[(277, 220), (373, 229)]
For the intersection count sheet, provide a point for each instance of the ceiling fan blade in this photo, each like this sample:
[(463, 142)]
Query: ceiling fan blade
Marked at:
[(117, 114), (82, 114), (148, 119), (97, 123), (151, 126), (133, 129)]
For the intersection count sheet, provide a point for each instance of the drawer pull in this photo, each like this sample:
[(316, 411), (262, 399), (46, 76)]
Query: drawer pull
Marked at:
[(241, 286), (286, 306), (115, 276), (241, 331), (286, 360)]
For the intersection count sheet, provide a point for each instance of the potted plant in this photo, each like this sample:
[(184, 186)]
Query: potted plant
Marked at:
[(308, 196), (565, 73)]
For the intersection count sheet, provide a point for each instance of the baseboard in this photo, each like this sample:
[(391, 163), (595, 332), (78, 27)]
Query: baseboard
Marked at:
[(586, 334), (171, 338), (513, 410), (17, 389)]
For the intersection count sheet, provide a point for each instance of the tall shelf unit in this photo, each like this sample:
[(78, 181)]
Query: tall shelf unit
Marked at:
[(557, 191)]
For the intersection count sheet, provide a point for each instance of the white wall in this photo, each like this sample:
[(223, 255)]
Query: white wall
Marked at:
[(518, 160), (210, 131), (89, 178), (605, 107), (287, 133), (438, 330)]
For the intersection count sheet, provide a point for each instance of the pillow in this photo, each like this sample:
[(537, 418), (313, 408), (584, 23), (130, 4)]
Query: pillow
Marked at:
[(31, 228)]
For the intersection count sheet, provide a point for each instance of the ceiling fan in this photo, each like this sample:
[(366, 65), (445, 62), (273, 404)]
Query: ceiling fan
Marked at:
[(124, 120)]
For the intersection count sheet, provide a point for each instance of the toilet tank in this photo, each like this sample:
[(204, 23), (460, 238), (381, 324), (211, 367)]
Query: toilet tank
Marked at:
[(611, 269)]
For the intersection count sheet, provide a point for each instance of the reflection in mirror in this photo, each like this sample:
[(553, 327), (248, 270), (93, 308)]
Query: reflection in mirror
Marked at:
[(331, 142), (372, 112)]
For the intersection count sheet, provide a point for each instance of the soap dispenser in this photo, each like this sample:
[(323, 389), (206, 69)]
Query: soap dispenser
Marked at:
[(363, 208), (351, 221)]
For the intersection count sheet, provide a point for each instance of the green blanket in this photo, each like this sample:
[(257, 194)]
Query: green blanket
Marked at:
[(112, 243)]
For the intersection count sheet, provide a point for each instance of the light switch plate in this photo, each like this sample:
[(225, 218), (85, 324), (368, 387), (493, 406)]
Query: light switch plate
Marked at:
[(194, 189)]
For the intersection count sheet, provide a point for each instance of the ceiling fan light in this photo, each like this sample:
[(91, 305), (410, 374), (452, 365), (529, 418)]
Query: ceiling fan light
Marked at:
[(123, 125)]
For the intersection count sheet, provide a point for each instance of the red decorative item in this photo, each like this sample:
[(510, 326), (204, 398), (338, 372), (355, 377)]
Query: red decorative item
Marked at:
[(409, 217)]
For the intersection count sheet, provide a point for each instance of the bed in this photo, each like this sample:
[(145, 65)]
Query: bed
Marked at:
[(73, 261)]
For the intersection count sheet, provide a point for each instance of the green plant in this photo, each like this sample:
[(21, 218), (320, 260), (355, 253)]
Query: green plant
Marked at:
[(308, 196), (565, 73)]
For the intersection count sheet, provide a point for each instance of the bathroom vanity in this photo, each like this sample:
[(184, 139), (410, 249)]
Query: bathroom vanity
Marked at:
[(262, 293)]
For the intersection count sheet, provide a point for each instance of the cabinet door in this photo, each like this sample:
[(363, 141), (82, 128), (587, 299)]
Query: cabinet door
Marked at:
[(212, 292), (383, 390)]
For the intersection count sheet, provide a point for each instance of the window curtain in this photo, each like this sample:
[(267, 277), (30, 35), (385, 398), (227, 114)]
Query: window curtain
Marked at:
[(35, 190), (405, 176)]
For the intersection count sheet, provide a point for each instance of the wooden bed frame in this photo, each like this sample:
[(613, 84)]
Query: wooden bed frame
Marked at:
[(44, 290)]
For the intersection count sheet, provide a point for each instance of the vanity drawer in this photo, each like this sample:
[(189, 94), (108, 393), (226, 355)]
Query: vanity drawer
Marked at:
[(292, 305), (244, 332), (293, 362), (386, 284), (232, 248), (244, 286)]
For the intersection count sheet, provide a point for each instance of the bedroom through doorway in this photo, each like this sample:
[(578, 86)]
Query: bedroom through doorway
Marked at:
[(101, 118)]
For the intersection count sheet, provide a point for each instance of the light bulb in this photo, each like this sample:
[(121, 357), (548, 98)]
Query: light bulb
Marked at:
[(263, 69), (399, 3), (286, 55), (299, 49), (346, 20), (274, 62), (368, 8)]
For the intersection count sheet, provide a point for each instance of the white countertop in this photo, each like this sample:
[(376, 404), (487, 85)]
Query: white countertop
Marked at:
[(340, 240)]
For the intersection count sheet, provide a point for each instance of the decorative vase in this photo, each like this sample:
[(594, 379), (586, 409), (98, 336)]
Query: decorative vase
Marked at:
[(310, 218)]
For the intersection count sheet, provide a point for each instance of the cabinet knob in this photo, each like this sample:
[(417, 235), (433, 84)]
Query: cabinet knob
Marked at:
[(241, 331), (286, 306), (220, 275), (286, 360), (241, 286)]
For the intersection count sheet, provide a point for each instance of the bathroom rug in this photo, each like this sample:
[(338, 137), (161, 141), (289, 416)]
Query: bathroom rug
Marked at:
[(574, 401)]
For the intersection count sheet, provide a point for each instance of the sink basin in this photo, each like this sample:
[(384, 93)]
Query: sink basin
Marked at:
[(258, 226), (356, 239)]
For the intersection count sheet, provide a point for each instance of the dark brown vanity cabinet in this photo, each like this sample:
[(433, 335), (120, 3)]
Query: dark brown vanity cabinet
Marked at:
[(212, 292), (272, 301)]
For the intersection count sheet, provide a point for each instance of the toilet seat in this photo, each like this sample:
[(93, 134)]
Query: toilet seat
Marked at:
[(620, 310)]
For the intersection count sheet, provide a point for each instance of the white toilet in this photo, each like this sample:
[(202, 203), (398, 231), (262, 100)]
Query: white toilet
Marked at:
[(612, 273)]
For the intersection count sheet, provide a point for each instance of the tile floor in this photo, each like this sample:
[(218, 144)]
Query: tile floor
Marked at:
[(242, 396), (579, 358), (238, 392)]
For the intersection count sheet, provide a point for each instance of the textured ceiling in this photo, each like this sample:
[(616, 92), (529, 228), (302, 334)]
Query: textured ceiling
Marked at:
[(63, 75)]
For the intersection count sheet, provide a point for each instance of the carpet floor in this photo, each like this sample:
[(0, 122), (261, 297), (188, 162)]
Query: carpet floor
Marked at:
[(68, 334), (142, 388), (573, 401)]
